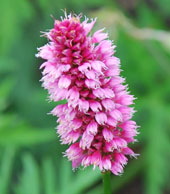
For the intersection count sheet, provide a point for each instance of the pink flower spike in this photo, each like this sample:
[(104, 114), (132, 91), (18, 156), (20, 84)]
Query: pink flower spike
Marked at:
[(86, 161), (99, 93), (99, 36), (64, 82), (92, 128), (76, 123), (73, 94), (90, 75), (80, 67), (92, 84), (83, 105), (96, 158), (84, 67), (108, 104), (101, 118), (121, 158), (97, 66), (107, 134), (116, 168), (118, 143), (106, 163), (45, 52), (88, 26), (86, 140), (111, 121), (116, 114), (73, 152), (95, 106)]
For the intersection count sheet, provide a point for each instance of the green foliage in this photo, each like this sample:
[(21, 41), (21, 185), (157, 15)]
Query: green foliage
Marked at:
[(164, 6), (30, 159), (30, 175), (157, 152), (152, 88), (7, 161), (12, 14)]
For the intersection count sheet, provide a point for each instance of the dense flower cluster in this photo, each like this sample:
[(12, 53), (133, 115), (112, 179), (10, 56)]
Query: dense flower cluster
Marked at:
[(96, 120)]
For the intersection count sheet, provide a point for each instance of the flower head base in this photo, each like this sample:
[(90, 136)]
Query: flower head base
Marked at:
[(96, 119)]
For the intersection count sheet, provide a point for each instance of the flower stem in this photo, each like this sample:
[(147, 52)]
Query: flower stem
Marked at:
[(107, 183)]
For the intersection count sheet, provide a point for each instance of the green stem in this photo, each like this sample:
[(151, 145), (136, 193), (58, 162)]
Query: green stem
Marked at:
[(107, 183)]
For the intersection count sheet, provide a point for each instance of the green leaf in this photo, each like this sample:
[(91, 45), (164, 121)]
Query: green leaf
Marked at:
[(157, 152), (26, 136), (49, 176), (66, 176), (12, 14), (117, 182), (6, 87), (14, 131), (84, 179), (7, 64), (6, 169), (163, 6), (29, 180)]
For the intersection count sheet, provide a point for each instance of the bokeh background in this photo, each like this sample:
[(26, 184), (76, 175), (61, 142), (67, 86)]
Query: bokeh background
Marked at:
[(31, 159)]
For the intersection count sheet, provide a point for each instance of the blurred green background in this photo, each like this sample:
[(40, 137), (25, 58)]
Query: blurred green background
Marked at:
[(31, 159)]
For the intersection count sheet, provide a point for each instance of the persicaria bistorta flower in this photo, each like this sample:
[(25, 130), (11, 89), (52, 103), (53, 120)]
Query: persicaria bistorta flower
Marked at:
[(96, 120)]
